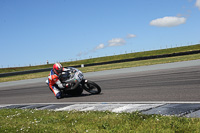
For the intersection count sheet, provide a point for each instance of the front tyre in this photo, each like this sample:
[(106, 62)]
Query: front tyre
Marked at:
[(91, 87)]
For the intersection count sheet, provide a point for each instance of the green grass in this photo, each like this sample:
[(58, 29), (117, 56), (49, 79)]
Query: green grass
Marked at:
[(16, 120), (109, 58), (108, 67)]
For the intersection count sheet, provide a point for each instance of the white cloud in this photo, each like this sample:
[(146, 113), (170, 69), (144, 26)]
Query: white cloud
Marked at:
[(168, 21), (100, 46), (80, 54), (198, 4), (130, 36), (116, 42), (113, 42)]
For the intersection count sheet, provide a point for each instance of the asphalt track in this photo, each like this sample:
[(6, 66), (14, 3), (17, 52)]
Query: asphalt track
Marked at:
[(166, 82), (155, 84)]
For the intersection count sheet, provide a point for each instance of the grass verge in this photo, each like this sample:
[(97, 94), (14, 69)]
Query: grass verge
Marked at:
[(16, 120), (109, 67), (109, 58)]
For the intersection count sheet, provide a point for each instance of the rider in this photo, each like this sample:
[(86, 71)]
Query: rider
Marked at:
[(54, 80)]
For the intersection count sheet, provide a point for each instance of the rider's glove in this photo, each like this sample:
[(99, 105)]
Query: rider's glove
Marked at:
[(73, 70)]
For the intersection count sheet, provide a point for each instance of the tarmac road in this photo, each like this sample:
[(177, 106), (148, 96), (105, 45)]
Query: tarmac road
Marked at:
[(172, 82)]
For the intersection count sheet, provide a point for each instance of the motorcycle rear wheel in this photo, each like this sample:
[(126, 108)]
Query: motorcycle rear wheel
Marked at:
[(76, 92), (91, 87)]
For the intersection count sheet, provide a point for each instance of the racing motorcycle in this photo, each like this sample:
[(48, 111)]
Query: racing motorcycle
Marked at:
[(79, 83)]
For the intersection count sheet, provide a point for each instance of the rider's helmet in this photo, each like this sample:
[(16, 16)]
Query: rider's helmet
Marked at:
[(57, 68)]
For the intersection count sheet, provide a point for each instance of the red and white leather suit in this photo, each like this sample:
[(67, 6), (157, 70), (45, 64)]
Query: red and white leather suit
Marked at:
[(55, 83)]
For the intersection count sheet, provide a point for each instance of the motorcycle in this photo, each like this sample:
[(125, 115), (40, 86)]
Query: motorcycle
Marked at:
[(79, 83)]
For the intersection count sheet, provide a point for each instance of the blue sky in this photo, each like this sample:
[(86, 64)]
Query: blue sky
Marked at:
[(33, 31)]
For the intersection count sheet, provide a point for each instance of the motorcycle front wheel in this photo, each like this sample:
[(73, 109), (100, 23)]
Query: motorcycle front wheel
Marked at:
[(91, 87)]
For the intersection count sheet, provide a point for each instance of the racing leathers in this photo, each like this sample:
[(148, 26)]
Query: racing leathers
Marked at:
[(55, 82)]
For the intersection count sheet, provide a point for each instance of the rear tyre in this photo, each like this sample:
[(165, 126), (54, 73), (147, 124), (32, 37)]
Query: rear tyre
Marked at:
[(91, 87), (76, 92)]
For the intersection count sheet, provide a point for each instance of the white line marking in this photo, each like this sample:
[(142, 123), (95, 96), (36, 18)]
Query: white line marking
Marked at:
[(106, 103), (109, 107)]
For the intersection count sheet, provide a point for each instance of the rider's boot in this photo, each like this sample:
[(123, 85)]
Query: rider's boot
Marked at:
[(59, 95)]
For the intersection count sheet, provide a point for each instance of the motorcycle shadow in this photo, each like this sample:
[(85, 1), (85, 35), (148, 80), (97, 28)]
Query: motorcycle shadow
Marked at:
[(82, 95)]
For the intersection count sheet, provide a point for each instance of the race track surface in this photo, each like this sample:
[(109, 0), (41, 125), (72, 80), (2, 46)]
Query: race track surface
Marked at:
[(172, 82)]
